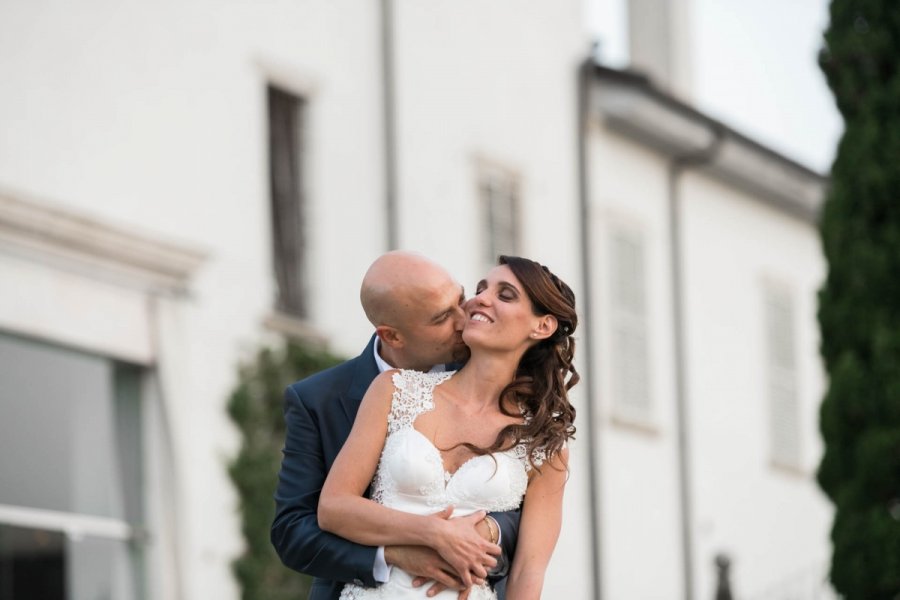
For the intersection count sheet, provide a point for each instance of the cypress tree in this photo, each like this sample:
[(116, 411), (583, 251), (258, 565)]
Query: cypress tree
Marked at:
[(255, 407), (859, 304)]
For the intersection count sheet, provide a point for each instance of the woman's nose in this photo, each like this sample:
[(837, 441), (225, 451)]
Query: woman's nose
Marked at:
[(479, 299)]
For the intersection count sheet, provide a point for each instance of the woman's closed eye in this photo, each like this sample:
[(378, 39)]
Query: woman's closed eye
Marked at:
[(508, 293)]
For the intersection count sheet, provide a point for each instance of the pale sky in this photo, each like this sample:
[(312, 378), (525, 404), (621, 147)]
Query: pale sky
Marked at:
[(753, 67)]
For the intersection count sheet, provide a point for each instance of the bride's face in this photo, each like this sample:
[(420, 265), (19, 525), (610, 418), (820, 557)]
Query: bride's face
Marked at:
[(500, 316)]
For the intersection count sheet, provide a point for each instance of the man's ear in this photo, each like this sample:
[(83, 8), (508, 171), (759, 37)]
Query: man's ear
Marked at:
[(389, 336), (546, 327)]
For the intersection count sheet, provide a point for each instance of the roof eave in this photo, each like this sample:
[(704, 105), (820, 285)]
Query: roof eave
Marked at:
[(629, 104)]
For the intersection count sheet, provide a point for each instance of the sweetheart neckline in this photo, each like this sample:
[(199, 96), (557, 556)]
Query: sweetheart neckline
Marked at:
[(448, 476), (428, 406)]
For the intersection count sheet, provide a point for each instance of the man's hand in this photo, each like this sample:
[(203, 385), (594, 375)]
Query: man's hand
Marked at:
[(429, 565), (426, 564)]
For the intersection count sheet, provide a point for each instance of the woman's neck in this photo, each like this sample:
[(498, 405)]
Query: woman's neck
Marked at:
[(484, 376)]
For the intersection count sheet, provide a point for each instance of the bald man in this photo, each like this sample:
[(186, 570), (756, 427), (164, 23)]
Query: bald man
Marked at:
[(416, 309)]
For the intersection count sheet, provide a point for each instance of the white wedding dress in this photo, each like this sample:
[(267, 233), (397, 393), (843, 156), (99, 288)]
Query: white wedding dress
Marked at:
[(411, 477)]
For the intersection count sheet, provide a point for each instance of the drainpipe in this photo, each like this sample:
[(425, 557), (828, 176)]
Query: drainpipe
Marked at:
[(585, 76), (389, 118), (677, 166)]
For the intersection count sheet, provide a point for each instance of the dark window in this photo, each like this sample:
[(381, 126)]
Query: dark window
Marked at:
[(499, 191), (32, 563), (286, 184), (72, 492)]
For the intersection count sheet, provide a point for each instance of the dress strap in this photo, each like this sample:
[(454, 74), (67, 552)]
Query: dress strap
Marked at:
[(413, 395)]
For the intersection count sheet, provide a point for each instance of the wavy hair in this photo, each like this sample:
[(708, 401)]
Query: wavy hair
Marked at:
[(545, 373)]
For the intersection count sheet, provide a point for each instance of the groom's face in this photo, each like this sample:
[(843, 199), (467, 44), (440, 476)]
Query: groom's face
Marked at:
[(433, 332)]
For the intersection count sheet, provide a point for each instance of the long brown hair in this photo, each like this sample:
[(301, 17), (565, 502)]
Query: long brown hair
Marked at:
[(545, 373)]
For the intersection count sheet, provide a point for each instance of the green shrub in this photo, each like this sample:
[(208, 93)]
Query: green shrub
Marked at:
[(255, 407)]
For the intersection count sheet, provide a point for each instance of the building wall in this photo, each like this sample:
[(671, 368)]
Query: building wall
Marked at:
[(772, 520), (639, 476), (487, 83), (152, 116)]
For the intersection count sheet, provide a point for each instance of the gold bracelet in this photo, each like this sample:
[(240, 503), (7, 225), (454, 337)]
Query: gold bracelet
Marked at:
[(494, 537)]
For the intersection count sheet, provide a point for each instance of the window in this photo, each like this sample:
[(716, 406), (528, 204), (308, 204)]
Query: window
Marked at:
[(499, 194), (629, 353), (781, 378), (286, 180), (71, 505)]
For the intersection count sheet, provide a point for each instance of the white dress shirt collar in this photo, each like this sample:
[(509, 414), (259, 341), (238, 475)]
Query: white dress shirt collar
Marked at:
[(384, 366)]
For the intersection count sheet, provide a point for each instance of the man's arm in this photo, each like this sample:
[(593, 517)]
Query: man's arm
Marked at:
[(489, 532), (295, 533)]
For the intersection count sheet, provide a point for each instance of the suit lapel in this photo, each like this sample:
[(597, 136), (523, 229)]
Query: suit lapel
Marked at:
[(364, 371)]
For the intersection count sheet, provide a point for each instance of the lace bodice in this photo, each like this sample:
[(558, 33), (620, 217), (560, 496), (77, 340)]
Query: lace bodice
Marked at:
[(411, 475)]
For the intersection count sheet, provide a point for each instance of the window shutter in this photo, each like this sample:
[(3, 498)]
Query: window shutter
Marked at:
[(783, 397), (630, 356)]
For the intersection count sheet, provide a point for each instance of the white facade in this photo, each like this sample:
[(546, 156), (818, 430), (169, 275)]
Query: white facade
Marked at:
[(746, 234), (135, 229)]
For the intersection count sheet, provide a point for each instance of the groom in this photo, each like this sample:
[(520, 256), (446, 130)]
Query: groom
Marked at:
[(416, 308)]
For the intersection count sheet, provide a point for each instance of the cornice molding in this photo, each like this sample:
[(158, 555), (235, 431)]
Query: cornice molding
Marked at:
[(47, 233), (295, 328)]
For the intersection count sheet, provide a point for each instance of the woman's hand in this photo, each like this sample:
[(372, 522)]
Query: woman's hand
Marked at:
[(460, 544)]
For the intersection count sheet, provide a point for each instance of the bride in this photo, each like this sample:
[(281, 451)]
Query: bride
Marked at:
[(488, 437)]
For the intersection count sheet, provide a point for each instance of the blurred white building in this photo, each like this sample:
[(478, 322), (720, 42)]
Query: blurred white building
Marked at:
[(182, 182)]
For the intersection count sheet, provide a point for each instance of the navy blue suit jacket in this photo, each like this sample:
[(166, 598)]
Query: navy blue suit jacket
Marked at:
[(319, 412)]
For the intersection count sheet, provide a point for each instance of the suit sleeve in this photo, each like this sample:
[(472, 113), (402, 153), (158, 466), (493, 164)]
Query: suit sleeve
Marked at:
[(295, 533), (509, 526)]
